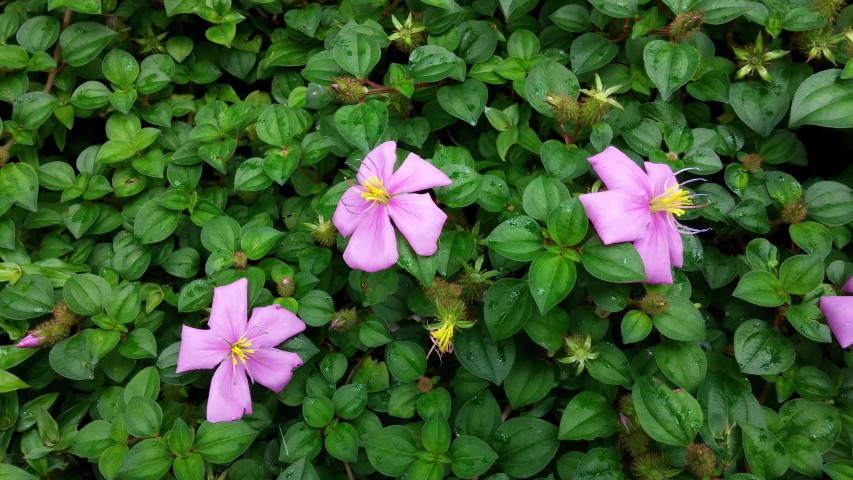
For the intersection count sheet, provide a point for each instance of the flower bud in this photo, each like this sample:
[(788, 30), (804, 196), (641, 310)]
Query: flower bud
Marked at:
[(424, 385), (794, 211), (32, 340), (344, 320), (323, 232), (348, 90), (752, 162), (653, 304), (686, 25), (443, 292), (701, 460), (564, 107), (285, 287), (650, 466), (247, 196), (240, 260)]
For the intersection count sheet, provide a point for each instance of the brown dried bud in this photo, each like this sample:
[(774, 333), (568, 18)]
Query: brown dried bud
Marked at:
[(653, 304), (701, 460), (752, 162), (424, 385), (240, 260), (686, 25), (794, 211)]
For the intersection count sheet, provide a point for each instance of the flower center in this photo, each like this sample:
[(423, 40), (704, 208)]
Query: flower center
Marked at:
[(374, 191), (240, 350), (672, 200), (443, 336)]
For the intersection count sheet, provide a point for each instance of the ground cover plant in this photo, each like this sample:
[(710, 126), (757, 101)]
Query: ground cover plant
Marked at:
[(426, 239)]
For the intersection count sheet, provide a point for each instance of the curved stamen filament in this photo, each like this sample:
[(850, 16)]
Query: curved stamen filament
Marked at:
[(442, 337), (240, 350), (673, 200), (374, 191)]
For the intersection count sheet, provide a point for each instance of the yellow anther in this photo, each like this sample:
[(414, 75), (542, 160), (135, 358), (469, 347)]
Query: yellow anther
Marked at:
[(374, 191), (672, 200), (241, 350), (443, 337)]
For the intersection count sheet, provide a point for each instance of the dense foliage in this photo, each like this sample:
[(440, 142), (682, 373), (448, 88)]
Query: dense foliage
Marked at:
[(153, 150)]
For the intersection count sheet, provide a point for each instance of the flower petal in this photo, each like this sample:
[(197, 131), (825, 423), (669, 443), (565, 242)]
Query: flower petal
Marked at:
[(618, 172), (416, 174), (419, 220), (373, 246), (229, 397), (379, 162), (660, 177), (676, 244), (269, 326), (201, 349), (618, 216), (839, 315), (349, 210), (273, 368), (654, 250), (30, 341), (848, 287), (229, 310)]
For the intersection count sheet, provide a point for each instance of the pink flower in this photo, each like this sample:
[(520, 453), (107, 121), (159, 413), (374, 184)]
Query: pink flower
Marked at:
[(366, 210), (32, 340), (240, 348), (839, 315), (640, 206)]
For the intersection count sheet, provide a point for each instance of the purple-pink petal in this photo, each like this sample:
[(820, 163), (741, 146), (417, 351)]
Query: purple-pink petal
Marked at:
[(676, 244), (201, 349), (273, 368), (839, 315), (229, 310), (419, 220), (30, 341), (229, 397), (654, 250), (618, 172), (348, 212), (416, 174), (269, 326), (373, 246), (379, 162), (660, 177), (618, 216), (848, 287)]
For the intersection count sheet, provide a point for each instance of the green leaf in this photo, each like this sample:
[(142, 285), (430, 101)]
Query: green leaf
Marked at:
[(406, 361), (760, 349), (362, 125), (681, 320), (277, 125), (528, 382), (683, 363), (143, 417), (488, 359), (587, 416), (764, 452), (616, 9), (613, 263), (19, 181), (542, 196), (470, 457), (515, 8), (86, 293), (822, 100), (432, 63), (525, 446), (760, 105), (32, 109), (760, 288), (670, 65), (391, 450), (189, 467), (10, 382), (635, 326), (356, 51), (801, 274), (611, 367), (84, 41), (568, 223), (223, 442), (258, 241), (30, 297), (464, 101), (519, 238), (154, 222), (342, 442), (147, 460), (551, 278), (672, 418), (590, 52), (507, 307), (830, 203)]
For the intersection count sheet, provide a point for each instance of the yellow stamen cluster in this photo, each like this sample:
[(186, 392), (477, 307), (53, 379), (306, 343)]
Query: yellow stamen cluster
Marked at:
[(444, 336), (241, 350), (374, 191), (671, 200)]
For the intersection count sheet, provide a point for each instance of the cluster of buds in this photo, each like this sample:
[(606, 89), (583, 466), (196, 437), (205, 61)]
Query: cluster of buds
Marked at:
[(322, 231), (631, 436), (754, 59), (348, 90), (52, 331), (579, 351), (589, 110), (408, 35), (475, 281)]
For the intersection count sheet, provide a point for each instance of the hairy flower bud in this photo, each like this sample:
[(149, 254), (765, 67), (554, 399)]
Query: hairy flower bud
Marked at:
[(794, 211), (443, 292), (653, 304), (344, 320), (348, 90), (54, 330), (323, 232), (828, 8), (248, 197), (565, 108), (650, 466), (701, 460), (240, 260), (285, 287), (686, 25), (752, 162), (424, 385)]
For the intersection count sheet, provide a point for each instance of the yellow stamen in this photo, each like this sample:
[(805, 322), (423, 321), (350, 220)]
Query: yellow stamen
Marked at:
[(241, 350), (672, 200), (443, 337), (374, 191)]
